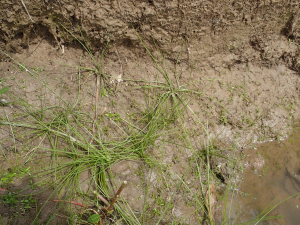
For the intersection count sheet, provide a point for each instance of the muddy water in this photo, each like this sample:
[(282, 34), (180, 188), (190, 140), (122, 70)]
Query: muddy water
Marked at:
[(271, 174)]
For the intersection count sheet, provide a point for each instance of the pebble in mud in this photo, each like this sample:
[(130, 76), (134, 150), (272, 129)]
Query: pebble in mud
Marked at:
[(3, 101)]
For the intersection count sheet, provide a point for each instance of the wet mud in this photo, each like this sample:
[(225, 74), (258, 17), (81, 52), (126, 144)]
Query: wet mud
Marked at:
[(274, 179)]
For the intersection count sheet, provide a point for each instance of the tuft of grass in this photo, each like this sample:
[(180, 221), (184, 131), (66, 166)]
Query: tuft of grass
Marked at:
[(170, 93), (64, 133)]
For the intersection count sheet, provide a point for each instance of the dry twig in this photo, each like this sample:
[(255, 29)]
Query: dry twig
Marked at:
[(102, 199), (35, 47), (27, 11), (211, 201), (116, 196), (96, 106)]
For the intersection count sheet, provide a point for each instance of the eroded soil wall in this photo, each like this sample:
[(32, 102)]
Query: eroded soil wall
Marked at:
[(207, 27)]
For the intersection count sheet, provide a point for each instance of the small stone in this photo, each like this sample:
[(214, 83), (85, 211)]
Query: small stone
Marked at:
[(4, 101)]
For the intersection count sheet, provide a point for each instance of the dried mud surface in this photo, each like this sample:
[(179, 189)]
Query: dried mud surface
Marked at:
[(244, 54)]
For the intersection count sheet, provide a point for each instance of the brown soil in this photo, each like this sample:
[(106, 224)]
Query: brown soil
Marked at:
[(244, 54), (21, 213)]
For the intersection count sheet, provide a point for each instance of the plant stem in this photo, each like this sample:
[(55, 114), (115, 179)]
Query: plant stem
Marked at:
[(116, 196), (102, 199)]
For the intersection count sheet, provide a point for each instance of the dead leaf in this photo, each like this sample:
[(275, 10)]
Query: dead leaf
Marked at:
[(3, 190), (211, 200)]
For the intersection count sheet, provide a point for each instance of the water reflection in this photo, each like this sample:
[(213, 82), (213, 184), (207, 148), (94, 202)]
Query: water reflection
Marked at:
[(277, 178)]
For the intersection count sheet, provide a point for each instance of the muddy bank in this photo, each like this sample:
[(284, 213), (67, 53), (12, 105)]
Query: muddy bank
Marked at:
[(168, 22), (238, 69), (242, 30), (240, 106), (251, 49), (243, 103)]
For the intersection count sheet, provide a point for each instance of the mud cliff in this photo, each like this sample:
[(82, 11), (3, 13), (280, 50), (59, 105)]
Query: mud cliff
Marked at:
[(206, 26)]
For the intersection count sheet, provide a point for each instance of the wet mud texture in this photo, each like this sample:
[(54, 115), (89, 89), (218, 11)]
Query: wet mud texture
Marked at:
[(272, 175), (261, 110)]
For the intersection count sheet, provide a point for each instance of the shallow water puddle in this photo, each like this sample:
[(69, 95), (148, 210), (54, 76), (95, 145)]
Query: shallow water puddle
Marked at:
[(272, 174)]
